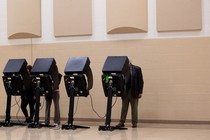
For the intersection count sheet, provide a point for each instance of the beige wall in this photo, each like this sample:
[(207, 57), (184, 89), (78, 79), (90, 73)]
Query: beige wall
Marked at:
[(176, 75)]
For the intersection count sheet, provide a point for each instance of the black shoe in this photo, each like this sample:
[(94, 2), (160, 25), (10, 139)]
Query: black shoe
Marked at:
[(120, 125), (30, 120), (134, 125), (27, 120)]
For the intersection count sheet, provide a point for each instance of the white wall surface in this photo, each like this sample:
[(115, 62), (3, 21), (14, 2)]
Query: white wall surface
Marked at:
[(99, 25)]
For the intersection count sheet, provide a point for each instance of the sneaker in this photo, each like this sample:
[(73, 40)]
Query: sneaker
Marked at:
[(55, 124), (45, 123), (121, 124)]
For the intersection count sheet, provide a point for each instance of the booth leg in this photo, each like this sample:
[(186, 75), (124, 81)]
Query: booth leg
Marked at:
[(8, 110), (71, 113), (107, 126)]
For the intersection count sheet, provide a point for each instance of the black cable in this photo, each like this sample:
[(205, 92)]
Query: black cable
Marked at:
[(114, 102), (91, 100), (76, 106), (17, 103), (42, 105), (31, 50), (96, 111)]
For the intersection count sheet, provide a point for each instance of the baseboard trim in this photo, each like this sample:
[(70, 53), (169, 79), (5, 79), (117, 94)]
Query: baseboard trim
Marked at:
[(145, 121), (128, 120)]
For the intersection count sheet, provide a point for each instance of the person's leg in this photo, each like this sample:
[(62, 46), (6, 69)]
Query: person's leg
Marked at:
[(47, 110), (56, 98), (32, 109), (24, 104), (134, 111), (124, 111)]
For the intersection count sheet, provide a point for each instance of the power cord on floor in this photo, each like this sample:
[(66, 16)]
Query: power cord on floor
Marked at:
[(91, 101), (101, 117)]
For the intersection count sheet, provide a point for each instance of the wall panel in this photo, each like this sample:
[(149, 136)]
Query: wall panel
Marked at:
[(179, 15), (126, 16), (72, 17), (24, 18)]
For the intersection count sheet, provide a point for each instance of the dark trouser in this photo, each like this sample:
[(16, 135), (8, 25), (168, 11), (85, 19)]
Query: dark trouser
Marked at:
[(24, 103), (134, 109), (55, 98)]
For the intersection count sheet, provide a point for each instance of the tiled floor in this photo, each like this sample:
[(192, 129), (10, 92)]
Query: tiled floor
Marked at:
[(145, 131)]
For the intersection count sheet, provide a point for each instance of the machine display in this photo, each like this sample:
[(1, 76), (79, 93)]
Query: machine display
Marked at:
[(115, 72), (45, 78), (16, 81), (78, 81)]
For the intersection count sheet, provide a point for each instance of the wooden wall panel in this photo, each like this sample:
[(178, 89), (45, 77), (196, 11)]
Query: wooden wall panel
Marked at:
[(127, 16), (24, 18), (72, 17), (179, 15)]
